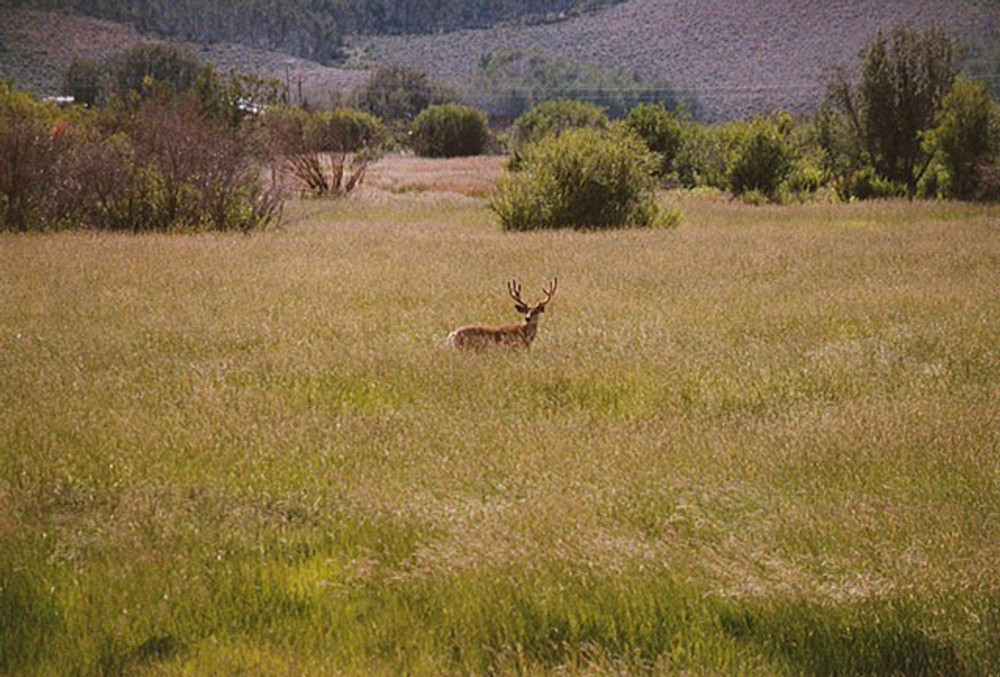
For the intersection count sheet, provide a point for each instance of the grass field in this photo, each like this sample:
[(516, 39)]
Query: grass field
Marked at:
[(766, 442)]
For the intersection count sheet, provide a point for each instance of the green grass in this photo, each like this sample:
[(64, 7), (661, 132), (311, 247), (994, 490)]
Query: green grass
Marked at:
[(766, 442)]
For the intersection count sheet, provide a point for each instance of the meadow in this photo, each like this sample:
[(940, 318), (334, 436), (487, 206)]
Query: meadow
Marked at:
[(766, 442)]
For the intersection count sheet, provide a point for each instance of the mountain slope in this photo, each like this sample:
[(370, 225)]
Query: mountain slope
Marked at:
[(36, 47), (736, 56)]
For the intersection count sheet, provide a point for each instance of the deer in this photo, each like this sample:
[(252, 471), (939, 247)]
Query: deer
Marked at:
[(514, 336)]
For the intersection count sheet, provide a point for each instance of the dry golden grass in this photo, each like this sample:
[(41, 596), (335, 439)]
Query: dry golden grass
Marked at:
[(795, 403), (469, 176)]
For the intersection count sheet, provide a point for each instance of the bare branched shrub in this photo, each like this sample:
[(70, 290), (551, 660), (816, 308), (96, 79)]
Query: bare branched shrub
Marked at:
[(323, 173), (324, 153)]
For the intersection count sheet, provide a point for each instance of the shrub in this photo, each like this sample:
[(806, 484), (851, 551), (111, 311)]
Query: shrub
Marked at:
[(344, 130), (399, 93), (450, 130), (868, 184), (701, 158), (29, 147), (660, 131), (965, 138), (554, 117), (760, 159), (165, 167), (583, 178), (285, 128), (314, 148), (176, 169)]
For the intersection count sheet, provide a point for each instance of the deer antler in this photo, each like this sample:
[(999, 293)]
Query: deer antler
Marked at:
[(550, 292), (514, 289)]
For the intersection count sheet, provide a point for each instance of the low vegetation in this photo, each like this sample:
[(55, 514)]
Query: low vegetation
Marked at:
[(144, 165), (762, 443), (450, 131), (581, 178), (909, 126)]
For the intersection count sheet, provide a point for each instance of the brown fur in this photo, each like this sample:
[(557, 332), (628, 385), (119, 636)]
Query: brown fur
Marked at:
[(513, 336)]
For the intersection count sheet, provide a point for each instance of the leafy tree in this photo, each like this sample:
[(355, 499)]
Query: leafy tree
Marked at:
[(903, 79), (399, 93), (966, 138), (157, 69), (450, 130)]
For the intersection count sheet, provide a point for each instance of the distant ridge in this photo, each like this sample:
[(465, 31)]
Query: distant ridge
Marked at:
[(736, 57)]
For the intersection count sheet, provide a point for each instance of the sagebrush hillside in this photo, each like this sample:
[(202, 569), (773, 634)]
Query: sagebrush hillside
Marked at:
[(734, 57)]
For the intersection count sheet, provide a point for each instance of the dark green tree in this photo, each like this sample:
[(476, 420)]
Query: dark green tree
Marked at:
[(966, 138), (904, 77), (450, 130), (399, 93), (154, 69), (83, 81)]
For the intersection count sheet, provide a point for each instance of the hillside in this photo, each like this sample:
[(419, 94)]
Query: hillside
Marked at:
[(735, 57), (36, 46)]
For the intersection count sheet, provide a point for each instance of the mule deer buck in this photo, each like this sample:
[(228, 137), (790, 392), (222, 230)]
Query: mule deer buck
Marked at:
[(514, 336)]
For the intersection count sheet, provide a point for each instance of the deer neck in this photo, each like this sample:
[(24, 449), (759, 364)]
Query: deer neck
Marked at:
[(530, 328)]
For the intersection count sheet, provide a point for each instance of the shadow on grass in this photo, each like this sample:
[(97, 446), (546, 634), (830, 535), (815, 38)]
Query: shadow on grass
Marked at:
[(885, 637)]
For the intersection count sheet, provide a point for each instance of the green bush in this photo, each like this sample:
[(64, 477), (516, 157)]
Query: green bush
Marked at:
[(760, 159), (344, 130), (450, 130), (701, 158), (582, 178), (660, 131), (554, 117), (868, 184), (286, 128), (167, 167), (965, 139)]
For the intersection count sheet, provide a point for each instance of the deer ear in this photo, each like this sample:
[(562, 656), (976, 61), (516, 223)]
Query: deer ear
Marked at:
[(521, 308)]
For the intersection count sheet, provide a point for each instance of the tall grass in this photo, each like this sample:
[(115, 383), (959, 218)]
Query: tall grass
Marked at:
[(765, 442)]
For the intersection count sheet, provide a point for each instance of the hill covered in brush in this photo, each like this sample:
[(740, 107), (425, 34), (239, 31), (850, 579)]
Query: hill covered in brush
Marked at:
[(314, 29)]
